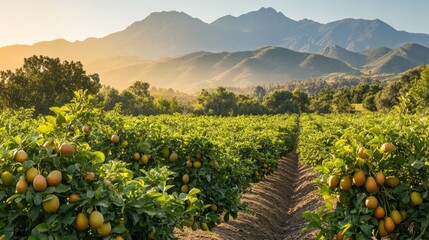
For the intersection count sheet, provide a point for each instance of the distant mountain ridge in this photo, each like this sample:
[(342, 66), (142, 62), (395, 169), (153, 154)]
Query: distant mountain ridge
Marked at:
[(172, 34), (381, 60), (173, 49), (267, 65)]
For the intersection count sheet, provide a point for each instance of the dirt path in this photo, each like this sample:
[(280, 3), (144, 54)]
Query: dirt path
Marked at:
[(275, 206)]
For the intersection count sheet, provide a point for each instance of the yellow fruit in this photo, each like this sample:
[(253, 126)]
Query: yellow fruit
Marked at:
[(389, 225), (403, 215), (39, 183), (189, 164), (379, 178), (362, 154), (184, 188), (359, 178), (7, 178), (396, 217), (49, 144), (213, 207), (379, 212), (333, 181), (204, 226), (165, 152), (381, 229), (145, 158), (173, 157), (195, 226), (416, 198), (387, 147), (114, 138), (21, 156), (81, 222), (136, 156), (31, 173), (21, 185), (214, 164), (119, 238), (371, 202), (124, 143), (85, 129), (345, 183), (96, 219), (54, 178), (197, 164), (67, 149), (51, 203), (392, 181), (198, 155), (370, 184), (104, 230), (186, 179), (89, 176)]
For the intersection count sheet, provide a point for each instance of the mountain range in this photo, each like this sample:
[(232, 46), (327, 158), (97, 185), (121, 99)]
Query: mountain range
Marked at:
[(173, 48)]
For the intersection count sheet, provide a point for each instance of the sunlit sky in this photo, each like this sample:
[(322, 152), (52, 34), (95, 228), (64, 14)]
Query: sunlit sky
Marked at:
[(30, 21)]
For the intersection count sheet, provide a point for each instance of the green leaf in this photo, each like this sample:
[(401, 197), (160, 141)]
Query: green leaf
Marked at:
[(45, 129), (119, 229), (194, 191), (42, 227), (62, 188)]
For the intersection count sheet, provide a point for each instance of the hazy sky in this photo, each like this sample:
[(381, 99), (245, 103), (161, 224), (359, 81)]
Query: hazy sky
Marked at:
[(30, 21)]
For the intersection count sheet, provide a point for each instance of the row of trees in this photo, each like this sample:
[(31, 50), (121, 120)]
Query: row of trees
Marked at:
[(43, 82)]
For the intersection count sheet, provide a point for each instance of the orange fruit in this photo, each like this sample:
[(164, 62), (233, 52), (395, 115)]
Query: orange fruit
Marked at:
[(416, 198), (104, 230), (31, 173), (381, 229), (392, 181), (379, 212), (173, 157), (379, 178), (371, 202), (396, 217), (74, 197), (85, 129), (114, 138), (21, 185), (389, 225), (81, 222), (96, 219), (370, 184), (359, 178), (21, 156), (39, 183), (51, 203), (387, 147), (89, 176), (67, 149), (362, 154), (54, 178), (345, 183), (186, 179), (333, 181)]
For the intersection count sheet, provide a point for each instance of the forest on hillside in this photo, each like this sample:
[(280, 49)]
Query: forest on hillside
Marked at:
[(43, 82)]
